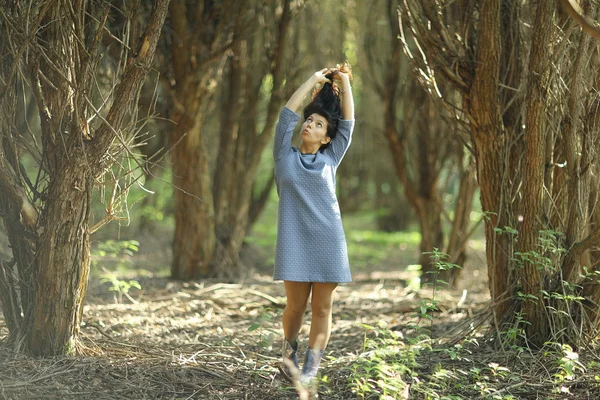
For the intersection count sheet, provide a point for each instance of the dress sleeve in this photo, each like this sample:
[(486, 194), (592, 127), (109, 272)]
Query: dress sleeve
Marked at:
[(338, 146), (284, 131)]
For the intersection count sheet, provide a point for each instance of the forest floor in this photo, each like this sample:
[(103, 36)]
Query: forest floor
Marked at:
[(214, 340)]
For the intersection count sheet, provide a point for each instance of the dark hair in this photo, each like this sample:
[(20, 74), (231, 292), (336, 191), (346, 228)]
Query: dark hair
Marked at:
[(326, 103)]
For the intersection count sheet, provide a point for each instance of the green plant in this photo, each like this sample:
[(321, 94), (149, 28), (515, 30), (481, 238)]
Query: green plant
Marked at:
[(115, 252), (263, 324), (118, 253), (427, 307), (386, 360), (118, 286), (549, 247), (567, 364), (514, 335)]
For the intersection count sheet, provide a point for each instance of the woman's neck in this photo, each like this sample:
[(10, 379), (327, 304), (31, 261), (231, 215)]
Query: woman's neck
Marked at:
[(308, 149)]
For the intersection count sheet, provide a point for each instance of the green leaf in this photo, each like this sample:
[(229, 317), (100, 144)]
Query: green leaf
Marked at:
[(253, 327)]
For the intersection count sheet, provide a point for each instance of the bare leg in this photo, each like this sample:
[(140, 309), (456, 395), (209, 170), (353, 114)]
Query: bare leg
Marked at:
[(322, 302), (297, 298)]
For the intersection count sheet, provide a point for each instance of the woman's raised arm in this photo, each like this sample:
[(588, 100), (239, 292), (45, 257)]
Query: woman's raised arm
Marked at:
[(346, 94), (295, 102)]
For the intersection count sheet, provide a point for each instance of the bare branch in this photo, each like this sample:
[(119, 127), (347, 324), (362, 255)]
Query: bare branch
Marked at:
[(131, 80), (574, 11)]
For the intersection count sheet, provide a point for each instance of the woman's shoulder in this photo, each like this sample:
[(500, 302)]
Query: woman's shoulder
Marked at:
[(289, 113)]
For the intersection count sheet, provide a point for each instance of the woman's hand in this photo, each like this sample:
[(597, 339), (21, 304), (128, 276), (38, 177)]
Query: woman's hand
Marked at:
[(295, 102), (340, 76), (320, 78)]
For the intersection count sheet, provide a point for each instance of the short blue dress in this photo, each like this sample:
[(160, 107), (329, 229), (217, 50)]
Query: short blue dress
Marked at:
[(311, 244)]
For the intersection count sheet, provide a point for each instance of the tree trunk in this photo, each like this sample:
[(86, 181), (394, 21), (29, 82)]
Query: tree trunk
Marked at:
[(531, 275), (457, 240), (579, 153), (63, 264), (226, 187), (241, 143), (432, 237), (194, 238), (192, 60), (489, 143)]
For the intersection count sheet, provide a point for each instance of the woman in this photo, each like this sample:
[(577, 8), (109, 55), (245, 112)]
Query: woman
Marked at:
[(311, 253)]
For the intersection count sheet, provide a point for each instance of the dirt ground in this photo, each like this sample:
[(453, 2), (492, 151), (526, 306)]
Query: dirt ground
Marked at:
[(213, 340)]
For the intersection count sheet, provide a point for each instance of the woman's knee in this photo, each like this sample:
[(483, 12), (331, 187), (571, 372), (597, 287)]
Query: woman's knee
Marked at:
[(297, 296), (322, 299), (296, 308), (321, 310)]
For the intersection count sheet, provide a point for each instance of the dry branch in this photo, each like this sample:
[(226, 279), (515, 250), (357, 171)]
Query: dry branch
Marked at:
[(588, 25)]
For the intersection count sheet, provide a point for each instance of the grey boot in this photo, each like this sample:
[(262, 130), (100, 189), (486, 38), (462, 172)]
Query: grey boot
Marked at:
[(289, 366), (311, 365)]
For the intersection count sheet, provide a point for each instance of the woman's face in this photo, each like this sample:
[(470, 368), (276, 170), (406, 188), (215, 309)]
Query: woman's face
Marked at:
[(314, 130)]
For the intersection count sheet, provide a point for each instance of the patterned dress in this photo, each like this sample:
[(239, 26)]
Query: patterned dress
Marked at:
[(311, 244)]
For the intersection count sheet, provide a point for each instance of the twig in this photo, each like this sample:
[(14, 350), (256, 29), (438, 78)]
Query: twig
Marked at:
[(264, 296)]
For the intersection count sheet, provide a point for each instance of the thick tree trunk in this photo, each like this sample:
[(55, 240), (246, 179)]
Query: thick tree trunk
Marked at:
[(579, 153), (531, 275), (194, 238), (499, 247), (192, 57), (227, 185), (241, 144), (62, 269), (590, 316), (489, 143)]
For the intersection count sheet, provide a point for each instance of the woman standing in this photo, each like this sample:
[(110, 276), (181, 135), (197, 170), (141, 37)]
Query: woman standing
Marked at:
[(311, 253)]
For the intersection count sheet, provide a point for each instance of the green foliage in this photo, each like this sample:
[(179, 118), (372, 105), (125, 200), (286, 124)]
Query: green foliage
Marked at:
[(263, 325), (118, 254), (118, 286), (428, 306), (391, 363), (116, 248), (544, 258), (380, 370), (514, 335)]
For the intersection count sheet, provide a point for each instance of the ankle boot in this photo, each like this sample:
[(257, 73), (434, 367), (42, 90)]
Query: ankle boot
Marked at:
[(311, 365), (290, 355)]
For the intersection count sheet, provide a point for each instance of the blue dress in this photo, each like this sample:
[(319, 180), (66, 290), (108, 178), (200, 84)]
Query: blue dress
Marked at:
[(311, 244)]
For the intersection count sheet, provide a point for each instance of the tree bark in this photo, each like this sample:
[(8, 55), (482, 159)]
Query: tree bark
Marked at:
[(194, 237), (578, 155), (489, 142), (459, 234), (531, 275), (63, 264)]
